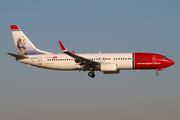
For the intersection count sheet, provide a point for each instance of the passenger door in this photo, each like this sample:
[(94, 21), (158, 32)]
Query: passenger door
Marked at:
[(40, 61)]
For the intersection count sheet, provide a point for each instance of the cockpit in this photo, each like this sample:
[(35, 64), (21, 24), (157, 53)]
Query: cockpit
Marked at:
[(164, 58)]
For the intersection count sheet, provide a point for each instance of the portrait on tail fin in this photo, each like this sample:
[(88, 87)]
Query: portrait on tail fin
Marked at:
[(21, 49)]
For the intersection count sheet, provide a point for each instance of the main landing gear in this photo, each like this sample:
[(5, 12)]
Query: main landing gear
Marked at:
[(91, 74)]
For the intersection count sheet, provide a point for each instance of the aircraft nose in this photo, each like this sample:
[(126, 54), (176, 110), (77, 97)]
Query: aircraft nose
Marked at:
[(171, 62)]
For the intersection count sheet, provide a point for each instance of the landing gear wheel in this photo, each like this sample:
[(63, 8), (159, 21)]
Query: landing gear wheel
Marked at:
[(91, 74), (157, 73)]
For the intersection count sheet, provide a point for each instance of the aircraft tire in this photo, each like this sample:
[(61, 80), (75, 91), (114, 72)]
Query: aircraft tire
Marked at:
[(157, 73), (91, 74)]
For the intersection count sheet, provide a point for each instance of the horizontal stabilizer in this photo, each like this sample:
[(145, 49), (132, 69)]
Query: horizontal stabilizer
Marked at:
[(17, 56)]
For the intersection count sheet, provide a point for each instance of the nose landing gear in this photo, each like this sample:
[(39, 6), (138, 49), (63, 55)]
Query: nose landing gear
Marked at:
[(157, 73)]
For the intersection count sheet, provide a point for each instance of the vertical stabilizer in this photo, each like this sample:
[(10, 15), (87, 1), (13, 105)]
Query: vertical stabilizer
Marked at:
[(23, 45)]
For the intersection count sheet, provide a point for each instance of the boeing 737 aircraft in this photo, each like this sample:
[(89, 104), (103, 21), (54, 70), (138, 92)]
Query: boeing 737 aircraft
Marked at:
[(108, 63)]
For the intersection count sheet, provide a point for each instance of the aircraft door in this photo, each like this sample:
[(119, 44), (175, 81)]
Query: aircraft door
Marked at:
[(40, 61), (101, 59), (154, 58)]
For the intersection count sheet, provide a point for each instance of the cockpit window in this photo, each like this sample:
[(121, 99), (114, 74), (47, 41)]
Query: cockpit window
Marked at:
[(164, 58)]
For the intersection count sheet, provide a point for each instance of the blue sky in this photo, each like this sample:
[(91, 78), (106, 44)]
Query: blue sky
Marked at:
[(89, 27)]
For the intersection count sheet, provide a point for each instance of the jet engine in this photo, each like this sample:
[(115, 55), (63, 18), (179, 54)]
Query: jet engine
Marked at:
[(109, 68)]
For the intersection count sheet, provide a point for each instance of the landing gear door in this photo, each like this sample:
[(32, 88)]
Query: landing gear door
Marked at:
[(40, 61)]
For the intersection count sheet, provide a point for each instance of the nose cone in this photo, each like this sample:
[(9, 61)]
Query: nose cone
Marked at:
[(167, 63), (171, 62)]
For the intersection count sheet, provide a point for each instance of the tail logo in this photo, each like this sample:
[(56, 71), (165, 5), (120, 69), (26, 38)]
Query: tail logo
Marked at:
[(23, 45), (21, 49)]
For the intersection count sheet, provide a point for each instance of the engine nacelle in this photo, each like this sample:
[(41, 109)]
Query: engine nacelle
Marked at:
[(109, 68)]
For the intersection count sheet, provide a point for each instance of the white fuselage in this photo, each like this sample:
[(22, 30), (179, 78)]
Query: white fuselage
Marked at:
[(65, 62)]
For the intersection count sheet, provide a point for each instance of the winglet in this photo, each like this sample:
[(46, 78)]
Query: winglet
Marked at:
[(74, 52), (62, 47)]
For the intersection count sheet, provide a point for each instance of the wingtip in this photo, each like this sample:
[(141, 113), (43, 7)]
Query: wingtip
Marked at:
[(62, 47), (74, 52)]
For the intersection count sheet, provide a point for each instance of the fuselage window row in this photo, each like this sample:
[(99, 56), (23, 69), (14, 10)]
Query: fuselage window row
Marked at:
[(97, 59), (140, 58), (122, 58)]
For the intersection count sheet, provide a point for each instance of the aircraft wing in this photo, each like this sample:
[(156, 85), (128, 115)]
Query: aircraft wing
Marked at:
[(86, 63)]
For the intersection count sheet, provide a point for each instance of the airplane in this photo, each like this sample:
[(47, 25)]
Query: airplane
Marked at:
[(108, 63)]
